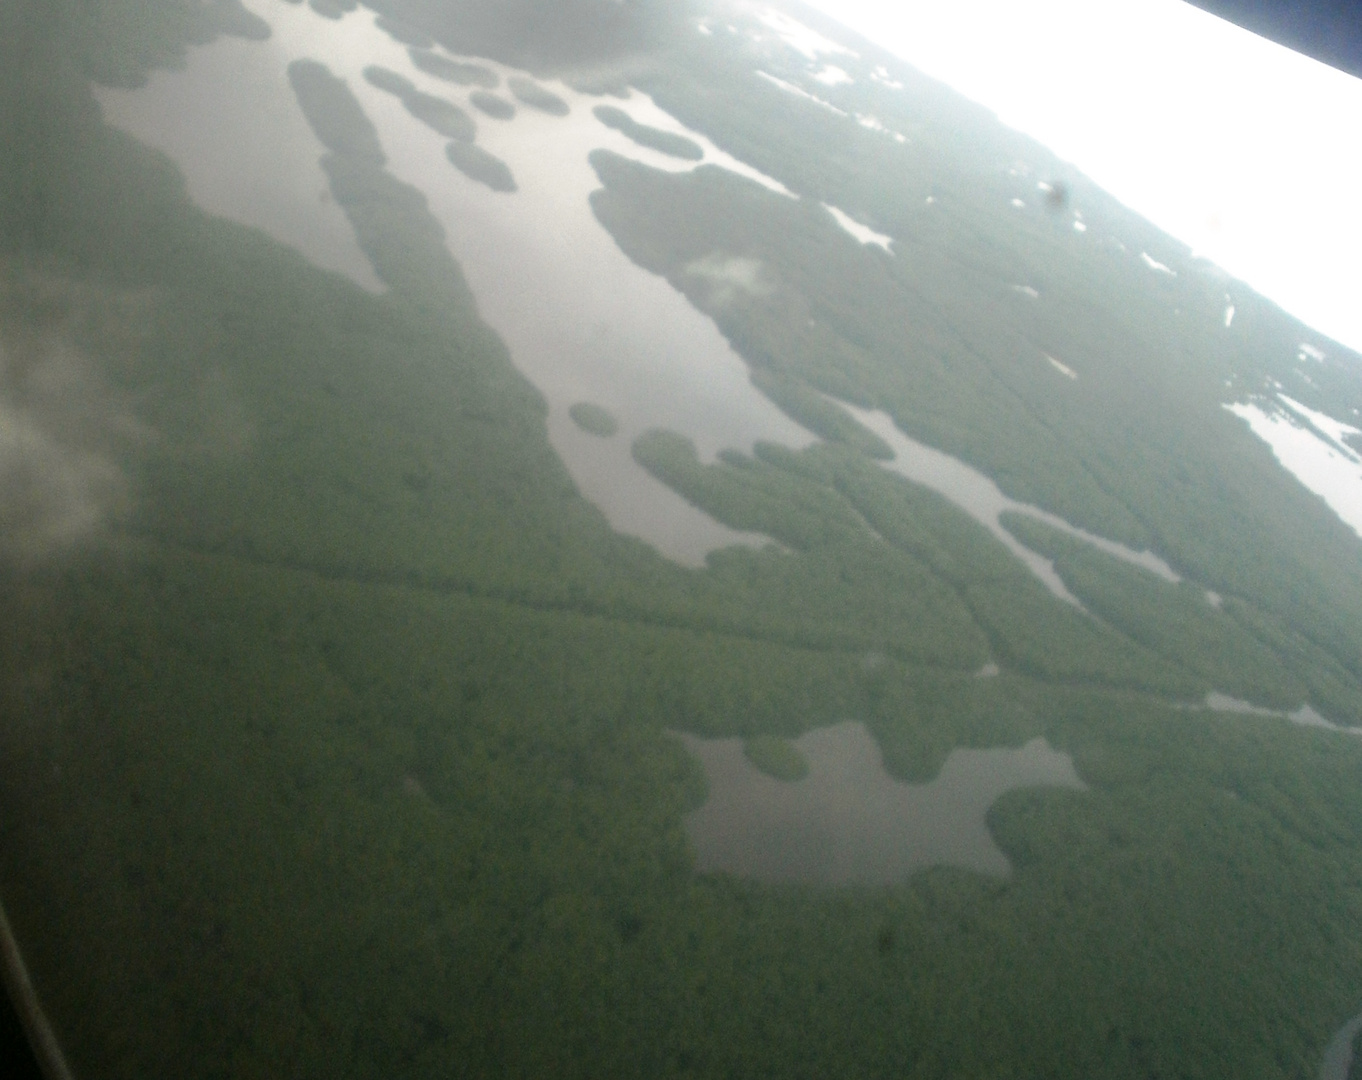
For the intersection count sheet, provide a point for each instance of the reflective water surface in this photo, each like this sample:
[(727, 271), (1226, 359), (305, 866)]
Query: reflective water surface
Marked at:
[(232, 127), (1313, 448), (982, 499), (404, 781), (848, 820), (580, 319)]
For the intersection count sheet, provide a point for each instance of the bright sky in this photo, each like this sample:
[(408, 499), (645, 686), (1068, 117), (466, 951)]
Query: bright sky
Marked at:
[(1249, 153)]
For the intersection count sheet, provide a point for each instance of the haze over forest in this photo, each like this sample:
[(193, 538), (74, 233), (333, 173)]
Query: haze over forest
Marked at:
[(594, 538)]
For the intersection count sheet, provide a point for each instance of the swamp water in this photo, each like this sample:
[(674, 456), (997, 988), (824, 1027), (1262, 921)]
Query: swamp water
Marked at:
[(848, 820), (1313, 448), (230, 123), (586, 325), (984, 501), (582, 322)]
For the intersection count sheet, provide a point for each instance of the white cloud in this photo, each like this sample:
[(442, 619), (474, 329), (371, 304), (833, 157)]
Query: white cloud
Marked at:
[(57, 486)]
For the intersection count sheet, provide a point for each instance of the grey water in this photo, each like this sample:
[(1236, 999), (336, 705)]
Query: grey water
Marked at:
[(581, 320), (848, 820), (984, 501), (229, 122)]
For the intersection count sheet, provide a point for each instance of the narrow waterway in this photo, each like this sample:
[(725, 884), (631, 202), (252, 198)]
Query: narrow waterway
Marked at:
[(1305, 716), (984, 501)]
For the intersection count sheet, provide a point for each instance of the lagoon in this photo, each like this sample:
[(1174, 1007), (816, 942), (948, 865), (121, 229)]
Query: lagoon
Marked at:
[(581, 320)]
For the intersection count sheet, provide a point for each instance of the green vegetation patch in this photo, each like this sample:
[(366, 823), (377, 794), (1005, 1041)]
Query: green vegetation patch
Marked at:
[(1176, 621), (882, 596), (818, 413), (530, 93), (454, 71), (496, 107), (404, 32), (477, 164), (334, 113), (389, 81), (347, 754), (441, 116), (665, 142), (1333, 690), (594, 419), (392, 222), (1138, 450), (778, 758)]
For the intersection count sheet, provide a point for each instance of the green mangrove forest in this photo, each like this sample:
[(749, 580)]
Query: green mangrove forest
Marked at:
[(335, 723)]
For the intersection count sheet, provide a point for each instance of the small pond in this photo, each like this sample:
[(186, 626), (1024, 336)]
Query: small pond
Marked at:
[(848, 820)]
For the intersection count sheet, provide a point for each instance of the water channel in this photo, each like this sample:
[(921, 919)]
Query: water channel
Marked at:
[(984, 501)]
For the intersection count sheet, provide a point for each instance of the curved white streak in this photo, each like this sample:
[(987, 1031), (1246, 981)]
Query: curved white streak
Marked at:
[(864, 233)]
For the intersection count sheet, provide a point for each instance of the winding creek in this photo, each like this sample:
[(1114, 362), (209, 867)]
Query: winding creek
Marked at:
[(984, 501), (582, 322)]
